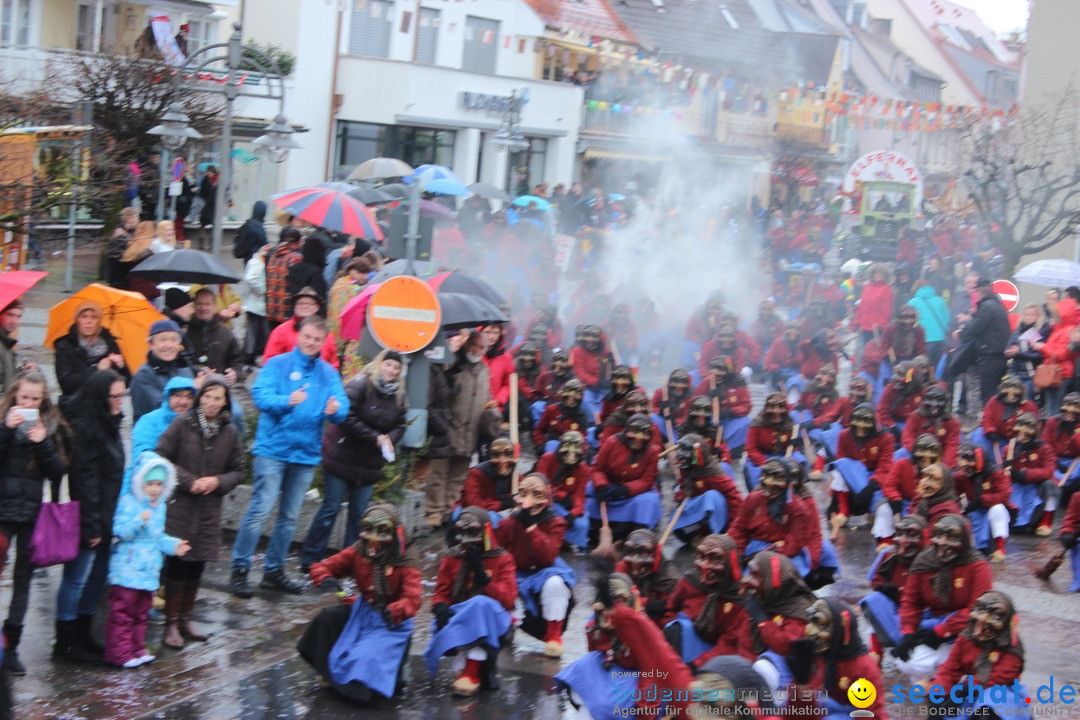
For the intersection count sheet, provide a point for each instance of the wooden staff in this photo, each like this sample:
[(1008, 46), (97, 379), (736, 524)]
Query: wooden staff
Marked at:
[(1009, 453), (892, 353), (606, 546), (1068, 473), (715, 400), (514, 433), (1051, 565), (668, 425), (791, 443)]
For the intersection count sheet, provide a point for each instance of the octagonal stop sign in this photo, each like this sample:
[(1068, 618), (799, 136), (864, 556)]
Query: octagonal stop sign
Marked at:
[(1009, 294), (404, 314)]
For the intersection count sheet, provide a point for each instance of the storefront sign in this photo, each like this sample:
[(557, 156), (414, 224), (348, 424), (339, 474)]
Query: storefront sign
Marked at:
[(492, 104)]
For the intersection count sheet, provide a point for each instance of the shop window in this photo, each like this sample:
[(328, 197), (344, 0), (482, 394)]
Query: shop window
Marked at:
[(369, 28), (525, 169), (357, 142), (481, 45)]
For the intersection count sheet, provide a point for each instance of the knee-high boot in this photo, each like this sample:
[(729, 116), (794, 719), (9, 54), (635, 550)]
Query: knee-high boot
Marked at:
[(174, 603), (189, 631)]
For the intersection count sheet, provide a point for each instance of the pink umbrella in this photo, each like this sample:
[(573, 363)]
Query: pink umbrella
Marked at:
[(354, 315)]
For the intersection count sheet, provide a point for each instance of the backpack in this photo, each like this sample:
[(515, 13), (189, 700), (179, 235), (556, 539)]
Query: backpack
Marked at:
[(242, 241)]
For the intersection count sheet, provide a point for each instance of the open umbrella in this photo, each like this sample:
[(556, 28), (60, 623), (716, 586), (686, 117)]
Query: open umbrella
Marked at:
[(489, 191), (380, 168), (127, 315), (330, 209), (428, 173), (396, 190), (430, 208), (527, 200), (14, 283), (460, 310), (185, 266), (446, 186), (366, 195), (354, 314), (1050, 273), (424, 269), (459, 282)]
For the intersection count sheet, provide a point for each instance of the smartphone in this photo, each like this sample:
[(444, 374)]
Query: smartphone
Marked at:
[(28, 415)]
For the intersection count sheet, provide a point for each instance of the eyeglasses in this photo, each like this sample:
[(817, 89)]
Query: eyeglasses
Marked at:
[(118, 396)]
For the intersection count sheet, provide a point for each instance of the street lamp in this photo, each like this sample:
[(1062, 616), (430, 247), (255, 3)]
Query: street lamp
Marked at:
[(174, 129), (229, 58), (509, 137), (278, 140)]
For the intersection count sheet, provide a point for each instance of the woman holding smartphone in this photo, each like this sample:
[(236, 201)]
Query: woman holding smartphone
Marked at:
[(95, 478), (32, 449)]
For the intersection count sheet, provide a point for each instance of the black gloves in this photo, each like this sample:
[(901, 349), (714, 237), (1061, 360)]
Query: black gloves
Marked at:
[(928, 637), (975, 503), (754, 609), (567, 502), (903, 649), (897, 506), (571, 518), (506, 502), (820, 577), (329, 585), (1019, 477), (600, 492), (618, 493), (825, 425), (387, 616), (890, 591), (525, 518), (801, 659), (443, 613), (475, 561), (1068, 540), (725, 415), (656, 607)]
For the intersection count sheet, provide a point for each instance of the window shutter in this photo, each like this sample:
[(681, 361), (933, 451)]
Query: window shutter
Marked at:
[(481, 44), (427, 35), (369, 29)]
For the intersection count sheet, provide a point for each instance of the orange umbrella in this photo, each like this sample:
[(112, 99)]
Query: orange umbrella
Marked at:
[(127, 315)]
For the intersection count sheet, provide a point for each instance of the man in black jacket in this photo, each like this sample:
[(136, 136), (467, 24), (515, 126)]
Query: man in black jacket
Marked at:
[(988, 328), (212, 344)]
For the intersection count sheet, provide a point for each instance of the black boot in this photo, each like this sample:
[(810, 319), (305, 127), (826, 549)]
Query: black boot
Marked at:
[(12, 634), (278, 580), (85, 624), (69, 644), (239, 584)]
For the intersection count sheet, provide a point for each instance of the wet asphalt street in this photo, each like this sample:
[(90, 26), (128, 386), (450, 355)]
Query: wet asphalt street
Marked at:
[(249, 669)]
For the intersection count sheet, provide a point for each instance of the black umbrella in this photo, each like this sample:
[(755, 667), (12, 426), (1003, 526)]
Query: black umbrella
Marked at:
[(366, 195), (396, 190), (443, 280), (461, 311), (424, 269), (185, 266)]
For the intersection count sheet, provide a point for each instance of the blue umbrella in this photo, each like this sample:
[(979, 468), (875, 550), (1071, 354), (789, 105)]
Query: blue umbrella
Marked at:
[(446, 186), (616, 197), (427, 173), (527, 200)]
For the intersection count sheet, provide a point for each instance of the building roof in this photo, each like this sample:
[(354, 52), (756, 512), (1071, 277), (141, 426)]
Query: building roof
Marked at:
[(750, 37), (593, 18), (948, 23)]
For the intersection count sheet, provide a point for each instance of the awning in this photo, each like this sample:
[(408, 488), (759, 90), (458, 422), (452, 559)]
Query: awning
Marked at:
[(585, 50), (177, 7), (621, 155)]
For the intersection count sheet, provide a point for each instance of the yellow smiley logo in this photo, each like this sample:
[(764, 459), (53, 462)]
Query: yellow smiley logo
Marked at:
[(862, 693)]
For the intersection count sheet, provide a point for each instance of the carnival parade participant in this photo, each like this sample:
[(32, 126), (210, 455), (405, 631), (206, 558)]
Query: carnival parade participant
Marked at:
[(568, 474), (772, 435), (712, 500), (488, 485), (533, 535), (773, 518), (1062, 434), (863, 465), (654, 577), (474, 593), (901, 488), (933, 417), (568, 414), (985, 490), (671, 403), (730, 400), (1031, 464), (360, 648), (888, 576), (624, 479)]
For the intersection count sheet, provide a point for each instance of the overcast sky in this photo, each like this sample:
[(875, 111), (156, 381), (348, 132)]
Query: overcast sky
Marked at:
[(1001, 15)]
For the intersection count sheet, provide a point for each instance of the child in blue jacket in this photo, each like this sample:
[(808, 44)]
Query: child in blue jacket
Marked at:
[(137, 557)]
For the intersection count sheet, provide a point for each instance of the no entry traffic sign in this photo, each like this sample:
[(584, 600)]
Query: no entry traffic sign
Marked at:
[(404, 314), (1009, 294)]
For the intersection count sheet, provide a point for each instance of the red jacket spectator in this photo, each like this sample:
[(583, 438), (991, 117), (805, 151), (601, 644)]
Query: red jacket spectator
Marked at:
[(904, 343), (283, 339), (875, 307), (500, 367), (1056, 350)]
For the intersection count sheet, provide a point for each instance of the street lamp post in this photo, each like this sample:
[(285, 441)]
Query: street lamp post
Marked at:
[(509, 138), (278, 139)]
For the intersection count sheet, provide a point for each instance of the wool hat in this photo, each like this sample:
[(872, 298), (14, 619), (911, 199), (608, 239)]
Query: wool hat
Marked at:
[(175, 298), (393, 355), (161, 326)]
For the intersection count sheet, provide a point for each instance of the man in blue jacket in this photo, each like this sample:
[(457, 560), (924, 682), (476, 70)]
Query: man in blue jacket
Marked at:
[(294, 393)]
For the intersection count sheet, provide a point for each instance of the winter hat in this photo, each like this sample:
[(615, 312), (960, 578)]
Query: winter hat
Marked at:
[(308, 292), (393, 355), (156, 473), (162, 326), (175, 298)]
